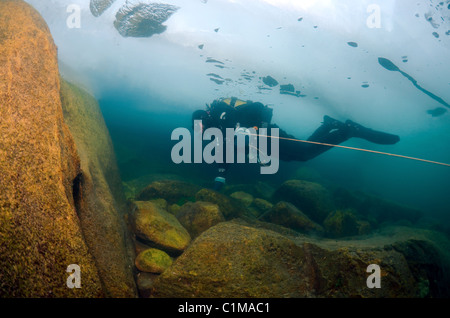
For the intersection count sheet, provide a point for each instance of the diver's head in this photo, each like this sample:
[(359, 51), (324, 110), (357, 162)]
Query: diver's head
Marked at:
[(201, 115)]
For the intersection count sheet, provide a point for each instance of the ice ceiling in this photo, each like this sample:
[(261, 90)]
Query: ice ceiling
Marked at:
[(189, 52)]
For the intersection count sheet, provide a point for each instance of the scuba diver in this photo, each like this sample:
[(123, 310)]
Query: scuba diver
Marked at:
[(234, 113)]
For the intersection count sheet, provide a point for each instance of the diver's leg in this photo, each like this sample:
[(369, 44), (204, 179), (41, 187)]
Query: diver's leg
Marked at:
[(377, 137), (289, 148), (332, 132)]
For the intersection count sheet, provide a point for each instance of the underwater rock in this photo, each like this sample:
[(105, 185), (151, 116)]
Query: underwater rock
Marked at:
[(158, 228), (261, 205), (270, 81), (287, 215), (97, 7), (172, 191), (99, 198), (229, 207), (436, 112), (425, 263), (341, 223), (234, 259), (199, 216), (143, 19), (374, 209), (153, 261), (40, 233), (145, 282), (311, 198), (243, 197), (436, 35)]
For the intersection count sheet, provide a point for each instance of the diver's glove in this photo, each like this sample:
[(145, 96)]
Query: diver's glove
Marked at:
[(219, 182)]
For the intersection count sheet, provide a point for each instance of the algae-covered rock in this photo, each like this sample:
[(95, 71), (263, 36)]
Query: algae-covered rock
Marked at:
[(311, 198), (172, 191), (145, 282), (40, 233), (261, 205), (199, 216), (375, 209), (287, 215), (229, 207), (99, 197), (158, 227), (341, 223), (257, 189), (153, 260), (236, 260), (245, 198), (173, 209), (231, 260)]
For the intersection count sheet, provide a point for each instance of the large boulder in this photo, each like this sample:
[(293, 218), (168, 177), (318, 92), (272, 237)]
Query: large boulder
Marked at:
[(173, 191), (341, 223), (99, 198), (287, 215), (311, 198), (375, 209), (62, 201), (234, 259), (199, 216), (230, 207), (158, 227), (40, 233)]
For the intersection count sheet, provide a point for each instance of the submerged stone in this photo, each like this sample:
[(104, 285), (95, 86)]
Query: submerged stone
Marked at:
[(235, 259), (199, 216), (341, 223), (153, 260), (143, 19), (172, 191), (287, 215), (229, 207), (311, 198), (40, 231), (245, 198), (158, 228)]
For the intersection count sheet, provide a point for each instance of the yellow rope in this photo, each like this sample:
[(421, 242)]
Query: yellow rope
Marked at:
[(357, 149)]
